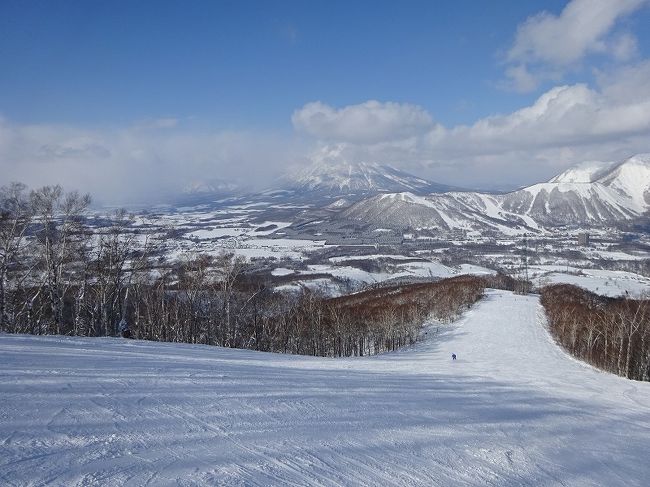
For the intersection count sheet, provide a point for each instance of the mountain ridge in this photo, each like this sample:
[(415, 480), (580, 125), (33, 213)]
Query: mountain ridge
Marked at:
[(369, 177), (589, 194)]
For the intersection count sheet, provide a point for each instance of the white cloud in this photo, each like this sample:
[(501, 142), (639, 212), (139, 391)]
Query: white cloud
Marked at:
[(547, 44), (624, 47), (564, 115), (628, 85), (367, 122), (139, 162), (565, 125), (520, 78)]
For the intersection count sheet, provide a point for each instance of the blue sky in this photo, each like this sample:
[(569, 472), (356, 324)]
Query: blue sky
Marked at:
[(96, 71), (250, 64)]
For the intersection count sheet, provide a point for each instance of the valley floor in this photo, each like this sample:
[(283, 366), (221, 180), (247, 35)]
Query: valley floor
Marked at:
[(512, 410)]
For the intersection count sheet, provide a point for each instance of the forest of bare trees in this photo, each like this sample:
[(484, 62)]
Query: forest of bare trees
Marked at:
[(377, 320), (59, 275), (612, 334)]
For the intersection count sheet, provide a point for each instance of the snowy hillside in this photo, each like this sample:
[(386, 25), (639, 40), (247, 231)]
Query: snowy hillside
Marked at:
[(585, 172), (591, 193), (570, 203), (512, 410), (446, 212), (631, 180)]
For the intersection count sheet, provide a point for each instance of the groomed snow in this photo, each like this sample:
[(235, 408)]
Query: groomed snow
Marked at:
[(512, 410)]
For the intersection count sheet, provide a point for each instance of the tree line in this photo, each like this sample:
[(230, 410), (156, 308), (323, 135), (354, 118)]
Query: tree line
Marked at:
[(60, 275), (377, 320), (612, 334)]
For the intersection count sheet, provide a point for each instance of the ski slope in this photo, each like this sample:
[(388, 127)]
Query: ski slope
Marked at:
[(512, 410)]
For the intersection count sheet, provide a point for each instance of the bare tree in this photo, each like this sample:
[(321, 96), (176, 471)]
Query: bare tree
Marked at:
[(115, 248), (15, 217), (60, 235), (230, 268), (610, 333)]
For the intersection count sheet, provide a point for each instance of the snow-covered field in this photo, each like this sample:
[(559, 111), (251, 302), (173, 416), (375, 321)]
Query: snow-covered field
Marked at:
[(409, 269), (512, 410), (603, 282)]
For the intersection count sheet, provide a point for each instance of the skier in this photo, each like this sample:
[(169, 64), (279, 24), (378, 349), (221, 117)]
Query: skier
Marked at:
[(453, 356), (124, 329)]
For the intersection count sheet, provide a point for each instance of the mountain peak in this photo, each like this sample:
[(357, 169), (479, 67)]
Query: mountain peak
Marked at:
[(632, 179), (585, 172), (366, 177), (591, 193), (211, 186)]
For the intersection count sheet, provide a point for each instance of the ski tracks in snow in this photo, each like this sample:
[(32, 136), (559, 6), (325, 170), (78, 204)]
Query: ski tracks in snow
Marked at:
[(514, 409)]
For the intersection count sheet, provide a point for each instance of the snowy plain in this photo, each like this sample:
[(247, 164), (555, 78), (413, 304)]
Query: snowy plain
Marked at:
[(409, 269), (599, 281), (514, 409)]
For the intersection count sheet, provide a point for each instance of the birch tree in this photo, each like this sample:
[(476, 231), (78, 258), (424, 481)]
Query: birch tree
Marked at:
[(15, 217), (59, 232)]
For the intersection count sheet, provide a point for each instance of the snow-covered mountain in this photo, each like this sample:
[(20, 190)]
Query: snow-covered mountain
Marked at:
[(365, 177), (585, 172), (206, 192), (555, 204), (631, 180), (212, 186), (593, 194), (444, 212)]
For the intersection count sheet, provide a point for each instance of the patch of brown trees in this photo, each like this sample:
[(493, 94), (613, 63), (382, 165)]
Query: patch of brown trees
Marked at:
[(612, 334), (378, 320)]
